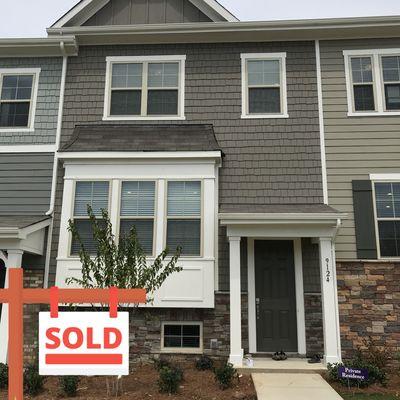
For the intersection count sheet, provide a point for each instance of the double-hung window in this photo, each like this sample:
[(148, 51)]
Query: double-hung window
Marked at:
[(96, 195), (264, 93), (363, 83), (137, 209), (387, 208), (17, 98), (184, 217), (373, 81), (145, 88)]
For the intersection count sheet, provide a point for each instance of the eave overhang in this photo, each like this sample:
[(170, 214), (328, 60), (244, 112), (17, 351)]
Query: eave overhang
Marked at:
[(64, 45), (343, 28)]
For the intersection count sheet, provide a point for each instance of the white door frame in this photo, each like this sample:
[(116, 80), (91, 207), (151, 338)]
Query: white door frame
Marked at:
[(300, 311)]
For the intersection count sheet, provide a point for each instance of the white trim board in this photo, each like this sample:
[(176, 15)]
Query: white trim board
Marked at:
[(29, 148), (385, 177)]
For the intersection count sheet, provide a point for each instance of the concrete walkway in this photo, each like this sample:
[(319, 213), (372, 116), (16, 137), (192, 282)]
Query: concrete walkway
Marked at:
[(281, 386)]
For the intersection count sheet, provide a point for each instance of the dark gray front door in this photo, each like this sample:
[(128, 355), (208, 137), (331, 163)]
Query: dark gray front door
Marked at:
[(275, 296)]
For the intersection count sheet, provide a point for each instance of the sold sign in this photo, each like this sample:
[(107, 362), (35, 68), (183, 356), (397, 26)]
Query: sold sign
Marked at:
[(84, 343)]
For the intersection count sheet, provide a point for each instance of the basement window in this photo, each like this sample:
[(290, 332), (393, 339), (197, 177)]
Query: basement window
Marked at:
[(182, 337)]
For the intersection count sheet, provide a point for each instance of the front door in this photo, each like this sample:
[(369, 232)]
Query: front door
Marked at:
[(275, 296)]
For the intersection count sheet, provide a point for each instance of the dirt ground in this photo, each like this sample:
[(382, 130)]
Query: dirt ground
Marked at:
[(392, 388), (142, 385)]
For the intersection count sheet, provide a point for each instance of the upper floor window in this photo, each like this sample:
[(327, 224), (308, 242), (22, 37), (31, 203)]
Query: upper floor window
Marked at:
[(18, 92), (264, 93), (387, 209), (145, 88), (373, 82)]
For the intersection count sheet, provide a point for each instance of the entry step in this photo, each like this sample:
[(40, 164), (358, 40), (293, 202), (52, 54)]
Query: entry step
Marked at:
[(289, 366)]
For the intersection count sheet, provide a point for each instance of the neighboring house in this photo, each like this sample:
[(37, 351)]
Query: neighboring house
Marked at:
[(31, 73), (361, 105), (210, 133)]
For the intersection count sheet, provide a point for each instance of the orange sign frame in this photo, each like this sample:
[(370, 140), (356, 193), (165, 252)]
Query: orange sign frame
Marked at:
[(16, 296)]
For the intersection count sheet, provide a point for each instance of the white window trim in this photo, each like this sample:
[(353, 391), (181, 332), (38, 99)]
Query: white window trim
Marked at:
[(33, 101), (201, 217), (376, 219), (190, 350), (281, 57), (378, 84), (181, 59)]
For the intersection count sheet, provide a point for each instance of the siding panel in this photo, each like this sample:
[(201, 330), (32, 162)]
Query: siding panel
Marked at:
[(355, 146), (25, 183)]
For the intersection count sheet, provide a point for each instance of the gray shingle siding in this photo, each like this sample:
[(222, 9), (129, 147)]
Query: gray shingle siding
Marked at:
[(267, 161), (25, 183), (47, 100)]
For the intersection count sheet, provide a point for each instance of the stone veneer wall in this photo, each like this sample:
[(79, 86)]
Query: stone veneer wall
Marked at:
[(314, 327), (32, 279), (146, 329), (369, 304)]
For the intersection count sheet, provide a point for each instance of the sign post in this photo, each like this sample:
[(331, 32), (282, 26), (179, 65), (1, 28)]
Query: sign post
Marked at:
[(16, 296)]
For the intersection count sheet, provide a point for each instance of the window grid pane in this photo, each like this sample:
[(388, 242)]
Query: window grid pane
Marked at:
[(391, 68), (184, 199), (263, 72), (17, 87), (184, 233), (144, 231), (163, 75), (137, 199), (364, 98), (127, 76), (361, 68), (14, 114)]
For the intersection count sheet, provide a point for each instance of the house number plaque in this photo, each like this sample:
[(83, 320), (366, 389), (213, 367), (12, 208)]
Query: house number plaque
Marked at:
[(328, 272)]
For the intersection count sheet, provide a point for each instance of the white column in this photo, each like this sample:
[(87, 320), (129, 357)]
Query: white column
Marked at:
[(236, 351), (300, 312), (330, 306), (14, 260)]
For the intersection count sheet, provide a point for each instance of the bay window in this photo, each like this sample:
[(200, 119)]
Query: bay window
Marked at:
[(96, 195), (137, 209)]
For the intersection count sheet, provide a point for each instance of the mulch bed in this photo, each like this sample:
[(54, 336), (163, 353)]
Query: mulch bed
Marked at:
[(142, 385), (392, 387)]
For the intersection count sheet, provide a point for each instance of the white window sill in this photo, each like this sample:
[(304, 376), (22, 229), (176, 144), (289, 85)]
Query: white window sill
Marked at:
[(14, 130), (392, 259), (179, 350), (155, 118), (374, 114), (265, 116)]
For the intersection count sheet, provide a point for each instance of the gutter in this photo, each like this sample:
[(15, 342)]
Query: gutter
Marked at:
[(55, 163)]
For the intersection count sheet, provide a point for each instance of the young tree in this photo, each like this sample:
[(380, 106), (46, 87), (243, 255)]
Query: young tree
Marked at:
[(122, 264)]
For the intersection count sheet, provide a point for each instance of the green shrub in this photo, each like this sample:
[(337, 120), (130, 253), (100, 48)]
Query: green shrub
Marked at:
[(160, 363), (69, 385), (33, 382), (170, 378), (225, 375), (375, 374), (3, 376), (204, 363), (374, 354)]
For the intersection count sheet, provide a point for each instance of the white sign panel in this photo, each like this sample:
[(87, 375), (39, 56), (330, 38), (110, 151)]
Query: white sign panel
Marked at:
[(84, 343)]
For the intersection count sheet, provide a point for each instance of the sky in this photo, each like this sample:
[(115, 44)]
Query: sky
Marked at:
[(29, 18)]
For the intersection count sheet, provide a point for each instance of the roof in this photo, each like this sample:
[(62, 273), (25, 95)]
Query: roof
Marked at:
[(277, 209), (254, 31), (142, 138), (85, 9), (21, 221)]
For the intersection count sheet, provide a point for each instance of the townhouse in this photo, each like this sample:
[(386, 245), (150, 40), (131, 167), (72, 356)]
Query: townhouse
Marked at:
[(239, 141)]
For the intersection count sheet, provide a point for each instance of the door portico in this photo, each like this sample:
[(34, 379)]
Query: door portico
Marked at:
[(322, 227)]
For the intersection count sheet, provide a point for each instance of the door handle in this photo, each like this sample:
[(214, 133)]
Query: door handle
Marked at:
[(257, 308)]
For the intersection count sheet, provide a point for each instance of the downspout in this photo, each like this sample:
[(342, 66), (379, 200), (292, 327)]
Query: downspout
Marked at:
[(321, 123), (50, 212)]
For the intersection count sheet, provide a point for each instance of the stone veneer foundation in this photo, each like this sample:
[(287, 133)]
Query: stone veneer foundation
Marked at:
[(369, 304)]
